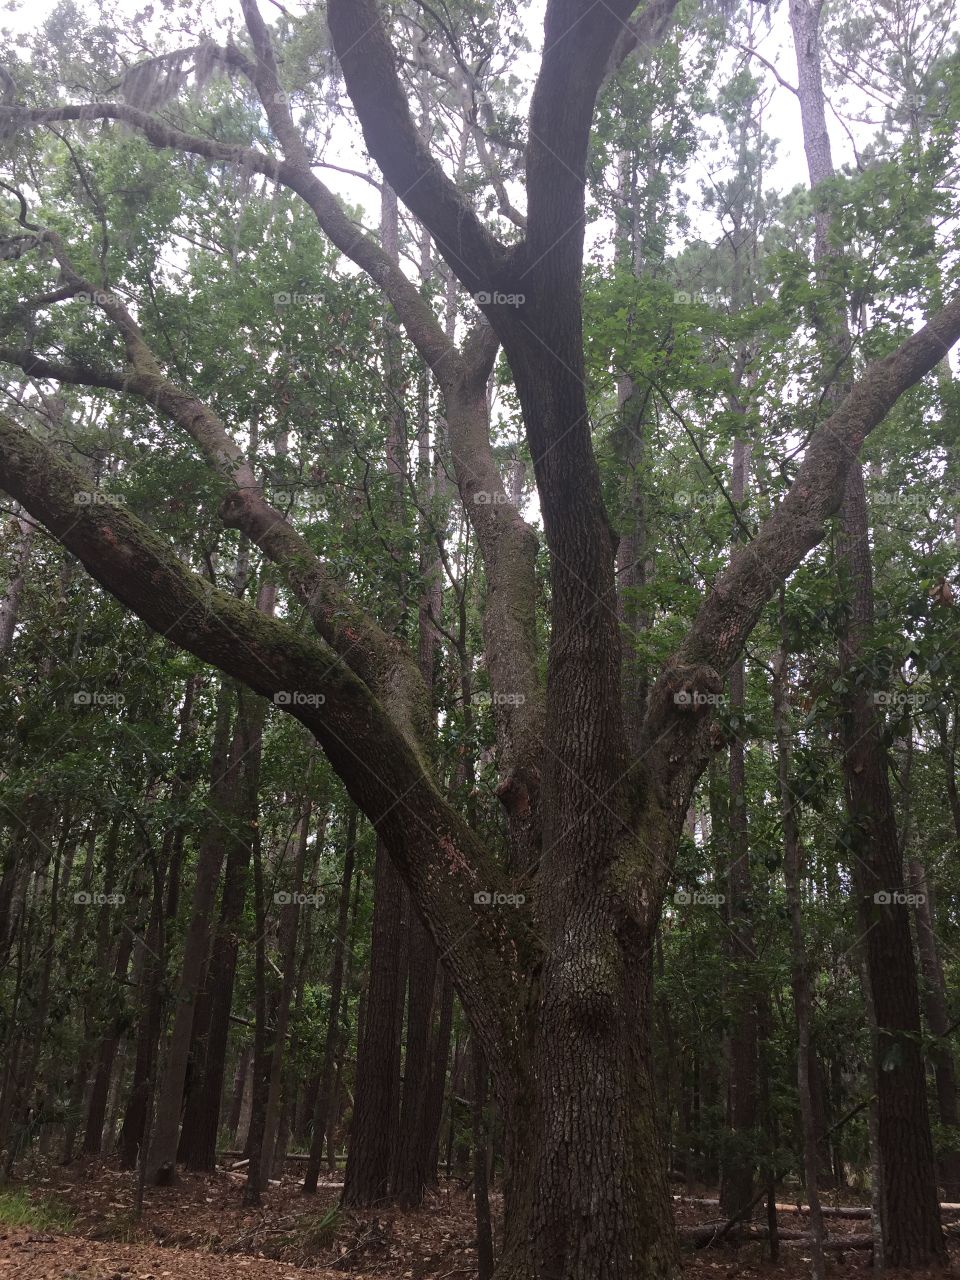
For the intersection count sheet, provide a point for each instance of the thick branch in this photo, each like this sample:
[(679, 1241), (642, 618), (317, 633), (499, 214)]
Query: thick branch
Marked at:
[(507, 543), (439, 857), (675, 734), (578, 39), (393, 139)]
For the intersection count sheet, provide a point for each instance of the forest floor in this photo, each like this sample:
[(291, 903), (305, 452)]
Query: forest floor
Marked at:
[(76, 1223)]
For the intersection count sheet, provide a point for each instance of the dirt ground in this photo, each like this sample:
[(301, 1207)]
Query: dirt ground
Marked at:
[(198, 1230)]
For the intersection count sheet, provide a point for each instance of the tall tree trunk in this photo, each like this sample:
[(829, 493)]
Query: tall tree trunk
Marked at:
[(260, 1075), (322, 1107), (740, 1156), (481, 1153), (793, 863), (377, 1089), (410, 1175), (10, 601), (938, 1020), (280, 1013), (909, 1201), (910, 1215), (202, 1114), (162, 1157)]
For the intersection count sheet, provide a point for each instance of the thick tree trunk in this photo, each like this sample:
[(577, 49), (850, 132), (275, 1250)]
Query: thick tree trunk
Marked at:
[(481, 1155)]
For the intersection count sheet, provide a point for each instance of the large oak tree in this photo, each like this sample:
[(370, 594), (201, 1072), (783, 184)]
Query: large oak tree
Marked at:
[(557, 990)]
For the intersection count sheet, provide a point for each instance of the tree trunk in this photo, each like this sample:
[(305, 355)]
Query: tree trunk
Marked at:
[(162, 1157), (322, 1107), (793, 861), (198, 1141), (481, 1153), (377, 1090), (410, 1175), (909, 1202), (280, 1014), (938, 1020)]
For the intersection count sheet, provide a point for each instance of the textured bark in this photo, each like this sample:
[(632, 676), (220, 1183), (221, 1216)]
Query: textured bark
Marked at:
[(738, 1169), (410, 1174), (562, 1023), (377, 1089), (97, 1107), (909, 1208), (938, 1020), (912, 1236), (800, 965), (162, 1157), (10, 601), (322, 1105), (202, 1113), (279, 1014), (481, 1156), (438, 1079)]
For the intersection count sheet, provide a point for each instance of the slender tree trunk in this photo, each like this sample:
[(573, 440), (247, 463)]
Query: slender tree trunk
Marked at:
[(376, 1100), (201, 1117), (325, 1090), (410, 1177), (10, 601), (480, 1160), (938, 1020), (97, 1110), (261, 1063), (909, 1202), (740, 1159), (910, 1216), (162, 1157), (280, 1019), (793, 862)]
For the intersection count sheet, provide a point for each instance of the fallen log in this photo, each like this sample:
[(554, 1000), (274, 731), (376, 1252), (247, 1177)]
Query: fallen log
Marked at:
[(703, 1237), (860, 1212)]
